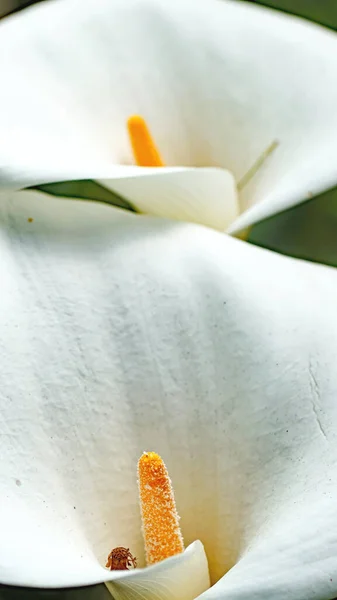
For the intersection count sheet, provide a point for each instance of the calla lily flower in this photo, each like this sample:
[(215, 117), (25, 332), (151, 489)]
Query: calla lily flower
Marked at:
[(217, 82), (122, 332)]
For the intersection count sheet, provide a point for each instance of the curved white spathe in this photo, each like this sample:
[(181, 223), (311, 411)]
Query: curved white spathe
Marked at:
[(182, 577), (120, 333), (205, 196), (218, 82)]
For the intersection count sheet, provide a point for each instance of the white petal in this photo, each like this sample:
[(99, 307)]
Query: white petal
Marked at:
[(217, 81), (182, 577), (120, 333), (285, 560), (205, 196)]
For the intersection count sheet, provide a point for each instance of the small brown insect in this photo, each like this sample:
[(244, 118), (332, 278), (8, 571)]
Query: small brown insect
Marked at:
[(120, 559)]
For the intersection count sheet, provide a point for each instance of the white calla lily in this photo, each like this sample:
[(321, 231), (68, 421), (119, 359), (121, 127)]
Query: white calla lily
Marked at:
[(122, 333), (217, 81)]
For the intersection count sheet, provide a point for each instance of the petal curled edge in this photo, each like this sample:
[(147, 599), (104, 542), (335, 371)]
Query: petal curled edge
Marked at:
[(204, 196), (182, 577)]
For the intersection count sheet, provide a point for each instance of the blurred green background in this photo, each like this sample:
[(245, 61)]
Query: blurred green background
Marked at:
[(322, 11)]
